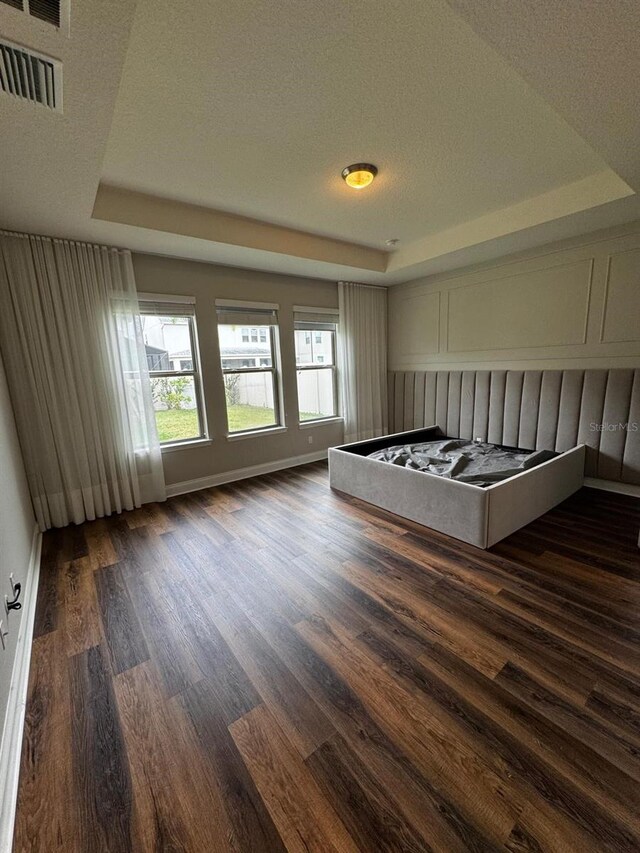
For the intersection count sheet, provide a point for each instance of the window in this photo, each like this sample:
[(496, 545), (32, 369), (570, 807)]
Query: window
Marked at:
[(169, 333), (249, 367), (245, 336), (315, 340)]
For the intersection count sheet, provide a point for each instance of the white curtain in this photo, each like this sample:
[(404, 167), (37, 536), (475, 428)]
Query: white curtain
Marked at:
[(76, 366), (363, 360)]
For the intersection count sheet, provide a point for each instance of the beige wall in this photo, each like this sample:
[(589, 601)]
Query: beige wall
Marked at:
[(17, 524), (207, 283), (573, 304)]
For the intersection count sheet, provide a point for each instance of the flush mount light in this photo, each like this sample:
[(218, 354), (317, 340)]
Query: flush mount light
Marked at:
[(359, 175)]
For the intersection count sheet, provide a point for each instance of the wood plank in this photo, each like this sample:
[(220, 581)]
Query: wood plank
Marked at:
[(372, 815), (46, 808), (168, 639), (103, 784), (304, 817), (123, 635), (609, 707), (605, 739), (80, 614), (46, 618), (250, 824), (295, 711), (172, 787), (101, 550)]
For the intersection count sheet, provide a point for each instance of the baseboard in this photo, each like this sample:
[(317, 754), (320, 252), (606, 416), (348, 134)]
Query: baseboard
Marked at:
[(11, 746), (242, 473), (612, 486)]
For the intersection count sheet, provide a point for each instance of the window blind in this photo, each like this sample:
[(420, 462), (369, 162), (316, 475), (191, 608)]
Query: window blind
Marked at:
[(309, 319), (159, 303), (238, 316)]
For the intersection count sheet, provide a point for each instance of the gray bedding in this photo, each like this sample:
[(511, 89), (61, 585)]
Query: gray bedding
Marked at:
[(467, 461)]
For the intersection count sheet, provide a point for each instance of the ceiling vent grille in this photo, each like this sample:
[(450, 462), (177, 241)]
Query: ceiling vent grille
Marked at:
[(46, 10), (30, 76)]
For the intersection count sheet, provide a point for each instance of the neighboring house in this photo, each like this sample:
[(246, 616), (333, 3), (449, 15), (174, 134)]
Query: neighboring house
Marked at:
[(181, 360), (157, 359), (245, 356)]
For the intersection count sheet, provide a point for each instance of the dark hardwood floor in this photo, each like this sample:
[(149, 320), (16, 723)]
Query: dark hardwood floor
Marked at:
[(270, 666)]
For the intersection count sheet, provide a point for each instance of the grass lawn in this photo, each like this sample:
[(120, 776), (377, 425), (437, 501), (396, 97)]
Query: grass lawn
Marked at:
[(178, 424)]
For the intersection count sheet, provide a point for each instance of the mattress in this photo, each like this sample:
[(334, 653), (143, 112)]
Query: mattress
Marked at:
[(478, 463)]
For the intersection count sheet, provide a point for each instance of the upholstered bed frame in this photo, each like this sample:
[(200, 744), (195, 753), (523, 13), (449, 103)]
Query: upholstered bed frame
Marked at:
[(590, 417), (479, 515), (532, 409)]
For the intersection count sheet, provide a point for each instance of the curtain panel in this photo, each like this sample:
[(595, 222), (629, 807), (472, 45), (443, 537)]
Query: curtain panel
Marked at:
[(75, 359), (362, 351)]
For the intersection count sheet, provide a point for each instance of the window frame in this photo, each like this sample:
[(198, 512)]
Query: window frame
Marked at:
[(156, 309), (333, 367), (274, 370)]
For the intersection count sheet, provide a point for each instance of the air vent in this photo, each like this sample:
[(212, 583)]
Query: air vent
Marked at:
[(46, 10), (30, 76)]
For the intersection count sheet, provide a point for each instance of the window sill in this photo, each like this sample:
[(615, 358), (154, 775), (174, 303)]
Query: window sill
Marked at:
[(185, 445), (255, 433), (320, 422)]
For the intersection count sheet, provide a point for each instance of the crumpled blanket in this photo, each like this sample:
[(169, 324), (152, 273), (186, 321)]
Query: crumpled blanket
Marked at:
[(467, 461)]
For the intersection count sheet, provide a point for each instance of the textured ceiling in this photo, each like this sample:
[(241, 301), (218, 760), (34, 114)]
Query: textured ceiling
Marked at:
[(217, 131), (254, 108), (592, 48)]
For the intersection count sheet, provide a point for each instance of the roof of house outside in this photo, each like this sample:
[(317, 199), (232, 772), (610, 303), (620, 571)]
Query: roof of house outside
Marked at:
[(244, 351)]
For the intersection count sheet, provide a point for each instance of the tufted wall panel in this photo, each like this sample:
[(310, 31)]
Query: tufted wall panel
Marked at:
[(533, 409)]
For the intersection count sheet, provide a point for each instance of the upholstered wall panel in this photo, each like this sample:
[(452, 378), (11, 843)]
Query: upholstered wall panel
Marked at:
[(551, 387), (453, 406), (430, 396), (591, 409), (409, 396), (631, 457), (496, 405), (617, 401), (569, 409), (442, 397), (418, 398), (549, 409), (467, 398), (512, 407), (481, 404), (528, 424)]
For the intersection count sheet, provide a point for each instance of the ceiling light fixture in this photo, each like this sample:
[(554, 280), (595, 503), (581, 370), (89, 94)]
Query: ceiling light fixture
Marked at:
[(359, 175)]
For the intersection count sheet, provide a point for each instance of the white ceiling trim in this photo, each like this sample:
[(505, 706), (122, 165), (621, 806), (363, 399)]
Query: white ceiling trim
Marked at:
[(581, 195)]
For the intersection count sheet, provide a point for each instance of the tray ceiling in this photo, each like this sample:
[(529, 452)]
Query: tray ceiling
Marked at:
[(218, 131)]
